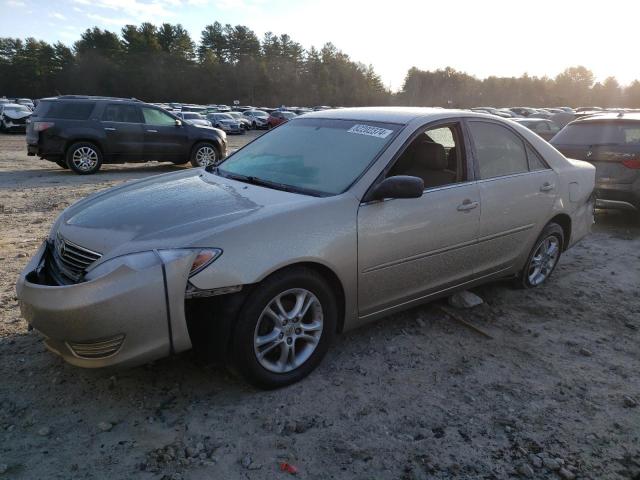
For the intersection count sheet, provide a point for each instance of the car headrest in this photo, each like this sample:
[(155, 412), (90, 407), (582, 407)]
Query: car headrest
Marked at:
[(431, 156)]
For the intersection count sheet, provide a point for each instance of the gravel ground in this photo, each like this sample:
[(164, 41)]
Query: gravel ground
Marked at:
[(553, 394)]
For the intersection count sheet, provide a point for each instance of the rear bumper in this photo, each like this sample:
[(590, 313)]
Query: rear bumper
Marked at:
[(625, 196), (119, 319)]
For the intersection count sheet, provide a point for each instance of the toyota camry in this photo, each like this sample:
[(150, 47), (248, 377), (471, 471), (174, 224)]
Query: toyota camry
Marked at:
[(326, 223)]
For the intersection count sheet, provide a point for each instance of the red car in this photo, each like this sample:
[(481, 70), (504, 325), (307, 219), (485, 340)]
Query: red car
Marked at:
[(278, 117)]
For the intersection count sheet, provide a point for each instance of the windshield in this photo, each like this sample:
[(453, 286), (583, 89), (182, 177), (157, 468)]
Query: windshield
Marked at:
[(258, 113), (312, 155), (224, 116)]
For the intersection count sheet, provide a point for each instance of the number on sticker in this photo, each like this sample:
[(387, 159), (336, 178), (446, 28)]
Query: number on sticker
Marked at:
[(370, 131)]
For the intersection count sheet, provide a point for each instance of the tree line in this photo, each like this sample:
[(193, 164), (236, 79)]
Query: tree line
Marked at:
[(160, 64)]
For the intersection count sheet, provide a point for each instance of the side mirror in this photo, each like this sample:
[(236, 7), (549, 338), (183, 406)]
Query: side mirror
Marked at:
[(178, 123), (399, 186)]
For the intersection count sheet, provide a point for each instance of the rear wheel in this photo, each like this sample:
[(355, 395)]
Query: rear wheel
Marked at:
[(285, 328), (84, 158), (204, 154), (543, 258)]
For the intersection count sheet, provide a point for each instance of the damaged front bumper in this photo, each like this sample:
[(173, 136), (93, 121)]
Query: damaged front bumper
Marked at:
[(130, 315)]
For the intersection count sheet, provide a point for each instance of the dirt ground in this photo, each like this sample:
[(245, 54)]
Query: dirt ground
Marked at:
[(554, 394)]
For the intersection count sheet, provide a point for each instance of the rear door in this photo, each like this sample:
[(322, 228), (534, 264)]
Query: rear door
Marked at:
[(517, 191), (163, 138), (122, 124)]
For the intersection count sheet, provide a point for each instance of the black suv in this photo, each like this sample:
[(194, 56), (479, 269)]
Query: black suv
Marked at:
[(612, 144), (83, 132)]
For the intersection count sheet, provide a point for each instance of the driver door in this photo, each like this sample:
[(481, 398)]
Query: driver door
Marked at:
[(163, 139), (411, 248)]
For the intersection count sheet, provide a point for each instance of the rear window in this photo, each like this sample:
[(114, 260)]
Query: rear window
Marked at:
[(598, 134), (65, 110)]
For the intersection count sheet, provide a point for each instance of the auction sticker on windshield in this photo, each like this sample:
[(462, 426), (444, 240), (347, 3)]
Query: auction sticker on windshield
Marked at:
[(371, 131)]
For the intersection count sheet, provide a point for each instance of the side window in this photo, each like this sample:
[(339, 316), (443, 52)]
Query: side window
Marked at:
[(535, 161), (71, 110), (121, 113), (499, 151), (436, 156), (156, 117)]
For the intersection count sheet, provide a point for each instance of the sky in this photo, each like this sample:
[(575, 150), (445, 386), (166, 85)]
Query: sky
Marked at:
[(480, 37)]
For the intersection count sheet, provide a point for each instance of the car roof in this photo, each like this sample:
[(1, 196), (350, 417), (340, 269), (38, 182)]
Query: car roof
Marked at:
[(399, 115), (609, 117), (92, 98)]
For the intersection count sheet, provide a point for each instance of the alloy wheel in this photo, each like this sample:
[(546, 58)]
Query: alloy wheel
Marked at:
[(85, 159), (544, 260), (206, 155), (288, 330)]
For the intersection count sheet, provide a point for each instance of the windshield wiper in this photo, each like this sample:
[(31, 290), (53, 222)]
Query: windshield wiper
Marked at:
[(257, 181), (266, 183)]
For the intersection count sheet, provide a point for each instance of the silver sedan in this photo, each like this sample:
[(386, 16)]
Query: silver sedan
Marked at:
[(326, 223)]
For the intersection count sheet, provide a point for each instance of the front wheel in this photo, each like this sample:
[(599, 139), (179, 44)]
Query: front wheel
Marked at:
[(84, 158), (204, 154), (543, 258), (285, 328)]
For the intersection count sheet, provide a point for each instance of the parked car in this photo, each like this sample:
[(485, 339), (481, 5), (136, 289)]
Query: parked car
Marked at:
[(14, 117), (194, 109), (612, 144), (258, 118), (278, 117), (244, 121), (226, 122), (27, 102), (543, 127), (194, 119), (83, 132), (331, 221), (523, 111)]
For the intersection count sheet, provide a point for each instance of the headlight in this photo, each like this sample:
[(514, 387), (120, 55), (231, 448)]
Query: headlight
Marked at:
[(135, 261), (202, 258)]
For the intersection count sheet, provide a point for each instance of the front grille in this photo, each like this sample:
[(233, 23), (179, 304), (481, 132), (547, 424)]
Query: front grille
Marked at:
[(72, 260), (97, 349), (17, 121)]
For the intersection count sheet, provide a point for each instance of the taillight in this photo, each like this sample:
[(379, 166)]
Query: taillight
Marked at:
[(41, 126), (635, 164)]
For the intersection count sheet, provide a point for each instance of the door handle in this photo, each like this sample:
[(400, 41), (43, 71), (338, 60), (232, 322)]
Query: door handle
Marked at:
[(110, 129), (546, 187), (467, 205), (152, 131)]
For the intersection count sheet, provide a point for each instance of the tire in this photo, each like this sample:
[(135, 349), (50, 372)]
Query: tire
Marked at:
[(84, 158), (541, 263), (203, 154), (62, 164), (318, 324)]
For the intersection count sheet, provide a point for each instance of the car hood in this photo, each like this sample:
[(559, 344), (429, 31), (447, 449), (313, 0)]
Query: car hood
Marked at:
[(174, 210), (16, 115)]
